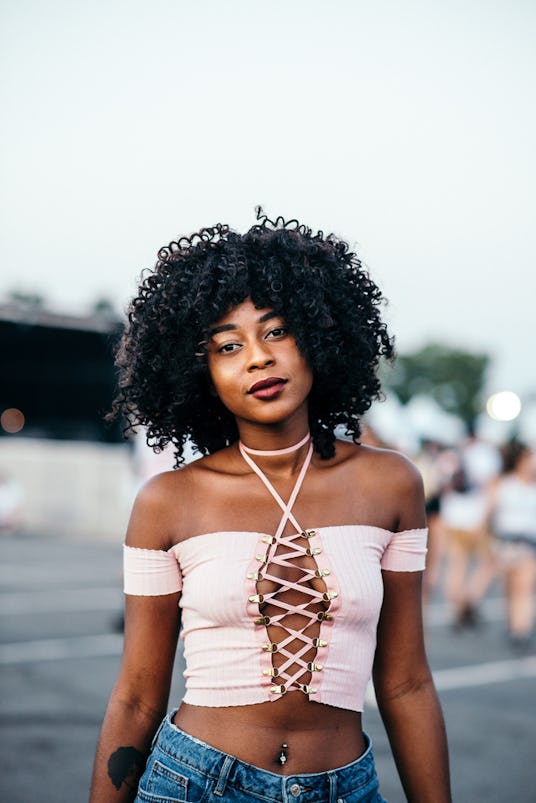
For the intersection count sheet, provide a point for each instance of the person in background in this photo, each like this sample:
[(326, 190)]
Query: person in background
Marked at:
[(435, 462), (511, 513), (469, 567), (480, 459), (294, 559)]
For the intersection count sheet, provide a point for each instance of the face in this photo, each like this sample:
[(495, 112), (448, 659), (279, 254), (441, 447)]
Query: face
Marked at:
[(256, 368), (526, 463)]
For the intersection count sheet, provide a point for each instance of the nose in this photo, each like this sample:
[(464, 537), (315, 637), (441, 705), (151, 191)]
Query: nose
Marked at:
[(259, 355)]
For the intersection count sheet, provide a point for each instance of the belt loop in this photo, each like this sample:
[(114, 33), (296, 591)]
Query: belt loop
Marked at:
[(157, 734), (224, 775), (332, 787)]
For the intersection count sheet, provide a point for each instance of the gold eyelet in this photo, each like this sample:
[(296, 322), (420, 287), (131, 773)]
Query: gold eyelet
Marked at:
[(268, 539), (269, 647), (312, 667), (271, 673), (278, 690), (319, 642), (309, 689), (312, 552), (262, 620), (256, 598), (322, 573), (254, 576), (327, 596)]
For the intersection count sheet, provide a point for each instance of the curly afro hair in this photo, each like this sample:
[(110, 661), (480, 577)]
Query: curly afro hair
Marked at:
[(313, 281)]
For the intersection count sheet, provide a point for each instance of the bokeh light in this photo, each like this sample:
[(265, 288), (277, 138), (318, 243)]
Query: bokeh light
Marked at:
[(503, 406), (12, 420)]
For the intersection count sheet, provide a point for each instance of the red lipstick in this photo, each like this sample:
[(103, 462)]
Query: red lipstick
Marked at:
[(267, 388)]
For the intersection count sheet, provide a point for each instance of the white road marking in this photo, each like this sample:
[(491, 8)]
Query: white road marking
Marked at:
[(60, 648), (460, 677), (463, 677)]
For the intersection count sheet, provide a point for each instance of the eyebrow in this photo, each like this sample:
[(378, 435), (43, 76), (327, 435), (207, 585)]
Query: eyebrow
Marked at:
[(228, 327)]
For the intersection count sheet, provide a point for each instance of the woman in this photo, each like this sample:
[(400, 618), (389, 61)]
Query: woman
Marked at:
[(512, 513), (277, 546), (469, 567)]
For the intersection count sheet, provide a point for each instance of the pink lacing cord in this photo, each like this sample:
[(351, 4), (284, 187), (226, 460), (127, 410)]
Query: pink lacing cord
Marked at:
[(294, 550)]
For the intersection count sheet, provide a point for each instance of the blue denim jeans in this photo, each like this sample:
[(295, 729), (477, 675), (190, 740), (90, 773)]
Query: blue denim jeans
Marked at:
[(183, 769)]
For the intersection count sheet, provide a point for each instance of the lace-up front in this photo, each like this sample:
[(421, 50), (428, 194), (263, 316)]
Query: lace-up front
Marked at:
[(290, 603), (264, 614)]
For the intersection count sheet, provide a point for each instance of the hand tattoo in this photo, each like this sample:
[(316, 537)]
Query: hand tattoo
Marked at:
[(126, 766)]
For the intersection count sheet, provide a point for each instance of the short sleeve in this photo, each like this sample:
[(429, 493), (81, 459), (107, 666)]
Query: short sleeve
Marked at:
[(150, 572), (406, 551)]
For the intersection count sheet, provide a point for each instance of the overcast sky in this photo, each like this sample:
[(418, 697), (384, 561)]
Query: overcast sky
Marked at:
[(406, 127)]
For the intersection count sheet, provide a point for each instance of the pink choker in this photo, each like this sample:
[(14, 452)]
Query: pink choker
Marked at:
[(275, 452)]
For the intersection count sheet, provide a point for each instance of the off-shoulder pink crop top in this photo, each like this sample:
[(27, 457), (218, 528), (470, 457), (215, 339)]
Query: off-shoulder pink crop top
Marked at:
[(264, 615)]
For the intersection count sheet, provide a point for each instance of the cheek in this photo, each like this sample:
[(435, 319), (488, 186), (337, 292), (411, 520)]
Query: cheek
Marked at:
[(307, 372), (222, 380)]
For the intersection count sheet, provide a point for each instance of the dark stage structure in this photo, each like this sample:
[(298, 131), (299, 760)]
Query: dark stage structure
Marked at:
[(57, 375)]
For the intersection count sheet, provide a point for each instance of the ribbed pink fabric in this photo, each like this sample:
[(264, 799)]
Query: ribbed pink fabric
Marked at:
[(220, 643), (150, 572), (404, 551)]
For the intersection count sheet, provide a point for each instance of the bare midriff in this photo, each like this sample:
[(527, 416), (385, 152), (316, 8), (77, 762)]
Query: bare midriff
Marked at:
[(318, 737)]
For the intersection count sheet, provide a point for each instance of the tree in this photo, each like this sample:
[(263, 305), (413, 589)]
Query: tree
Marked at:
[(453, 377), (25, 298), (104, 306)]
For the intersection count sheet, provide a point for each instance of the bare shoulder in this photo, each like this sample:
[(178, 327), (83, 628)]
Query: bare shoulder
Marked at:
[(384, 465), (400, 470), (389, 480), (164, 506), (403, 485), (149, 524)]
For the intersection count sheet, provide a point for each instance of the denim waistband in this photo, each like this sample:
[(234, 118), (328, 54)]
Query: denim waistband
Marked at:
[(226, 770)]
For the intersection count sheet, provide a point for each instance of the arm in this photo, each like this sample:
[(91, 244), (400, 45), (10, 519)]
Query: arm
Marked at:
[(404, 687), (492, 492), (140, 696)]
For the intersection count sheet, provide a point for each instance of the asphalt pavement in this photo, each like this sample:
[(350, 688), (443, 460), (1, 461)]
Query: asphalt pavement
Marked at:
[(59, 654)]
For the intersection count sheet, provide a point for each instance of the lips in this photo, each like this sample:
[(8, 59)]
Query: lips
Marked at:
[(267, 388)]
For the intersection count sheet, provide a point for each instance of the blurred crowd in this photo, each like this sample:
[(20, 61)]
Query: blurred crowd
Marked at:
[(481, 508)]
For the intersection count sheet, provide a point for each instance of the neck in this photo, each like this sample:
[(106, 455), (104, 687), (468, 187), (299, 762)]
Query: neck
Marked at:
[(276, 452)]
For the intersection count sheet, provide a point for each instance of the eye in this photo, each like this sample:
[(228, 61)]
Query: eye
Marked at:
[(279, 331), (228, 348)]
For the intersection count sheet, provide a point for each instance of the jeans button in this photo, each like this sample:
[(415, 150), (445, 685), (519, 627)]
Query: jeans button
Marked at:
[(295, 789)]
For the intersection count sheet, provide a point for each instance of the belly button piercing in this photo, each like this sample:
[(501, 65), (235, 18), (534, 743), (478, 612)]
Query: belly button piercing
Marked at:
[(282, 755)]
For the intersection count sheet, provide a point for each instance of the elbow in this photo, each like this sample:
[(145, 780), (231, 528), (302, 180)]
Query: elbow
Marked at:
[(141, 714), (408, 691), (140, 702)]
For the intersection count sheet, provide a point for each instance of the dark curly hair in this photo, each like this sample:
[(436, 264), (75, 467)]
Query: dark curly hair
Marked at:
[(511, 454), (313, 281)]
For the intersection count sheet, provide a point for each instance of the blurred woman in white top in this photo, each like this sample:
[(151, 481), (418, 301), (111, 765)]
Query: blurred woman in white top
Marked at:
[(469, 568), (512, 514)]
